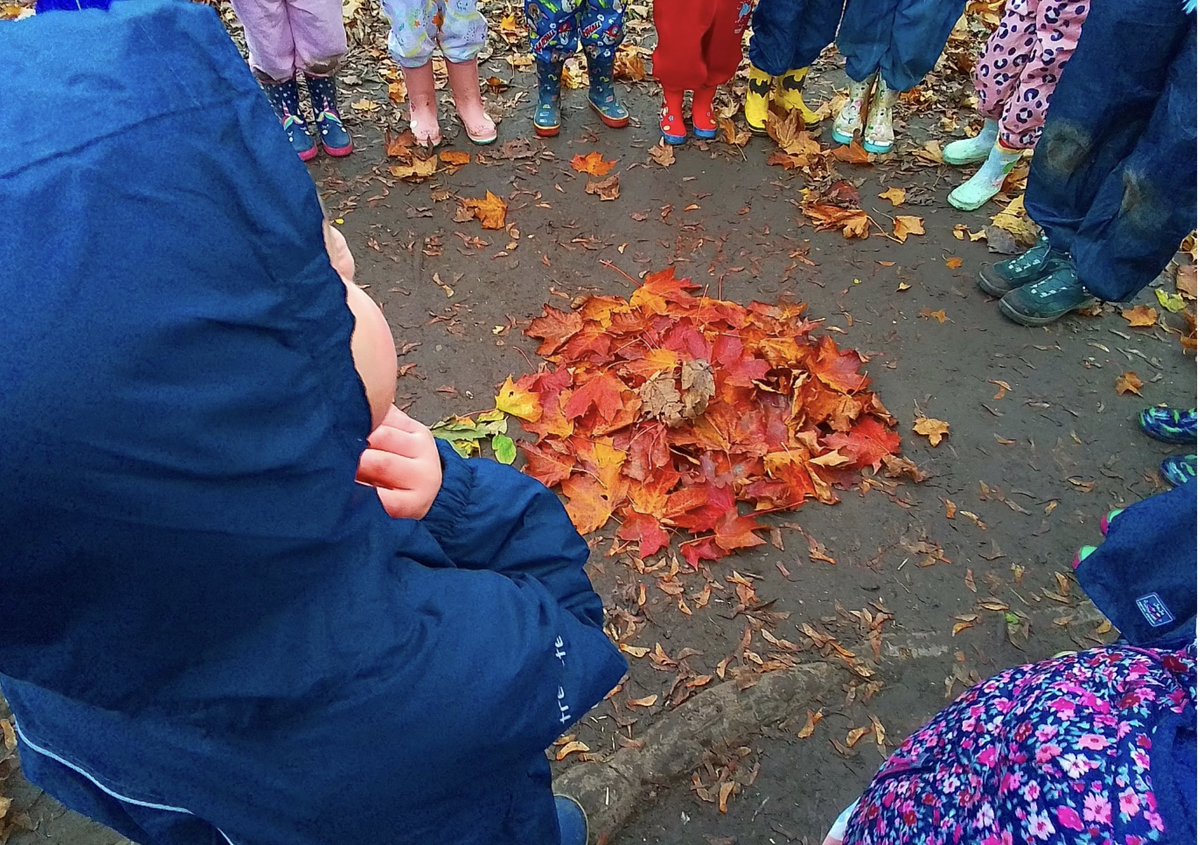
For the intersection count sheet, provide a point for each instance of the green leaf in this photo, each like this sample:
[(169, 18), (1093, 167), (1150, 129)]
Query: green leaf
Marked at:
[(505, 449), (1173, 302)]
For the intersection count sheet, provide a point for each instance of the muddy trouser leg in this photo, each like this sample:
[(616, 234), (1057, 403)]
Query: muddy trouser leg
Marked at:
[(320, 35), (269, 38), (1113, 177), (865, 34)]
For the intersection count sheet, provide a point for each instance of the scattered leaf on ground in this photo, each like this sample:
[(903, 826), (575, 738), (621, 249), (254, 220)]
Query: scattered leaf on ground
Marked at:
[(934, 429), (491, 211), (607, 189), (573, 747), (1173, 302), (1140, 316), (1129, 383), (938, 315), (663, 154), (455, 158), (895, 196), (907, 225), (593, 164)]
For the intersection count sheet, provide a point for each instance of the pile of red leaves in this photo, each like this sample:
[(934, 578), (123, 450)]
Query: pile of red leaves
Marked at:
[(668, 409)]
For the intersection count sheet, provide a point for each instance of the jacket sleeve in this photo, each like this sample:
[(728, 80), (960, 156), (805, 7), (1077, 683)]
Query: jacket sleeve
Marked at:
[(489, 516)]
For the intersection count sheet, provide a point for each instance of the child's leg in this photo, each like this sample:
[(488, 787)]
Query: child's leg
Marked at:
[(1055, 26), (864, 36), (268, 38), (1004, 59), (918, 34), (320, 47), (462, 36), (411, 43), (554, 35), (680, 63), (602, 28), (319, 35), (723, 41)]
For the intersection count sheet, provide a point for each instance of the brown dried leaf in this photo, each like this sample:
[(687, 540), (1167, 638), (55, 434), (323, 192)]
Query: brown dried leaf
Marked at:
[(1140, 316), (607, 189), (1129, 383), (574, 747), (814, 719), (896, 196), (907, 225)]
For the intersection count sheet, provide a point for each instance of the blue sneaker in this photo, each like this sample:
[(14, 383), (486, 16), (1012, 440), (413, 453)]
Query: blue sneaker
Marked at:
[(285, 99), (1169, 425), (602, 94), (334, 137), (547, 116), (1048, 299), (1179, 469), (999, 279), (572, 821)]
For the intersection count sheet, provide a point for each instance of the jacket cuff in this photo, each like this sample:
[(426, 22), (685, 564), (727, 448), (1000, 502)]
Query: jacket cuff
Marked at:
[(451, 502)]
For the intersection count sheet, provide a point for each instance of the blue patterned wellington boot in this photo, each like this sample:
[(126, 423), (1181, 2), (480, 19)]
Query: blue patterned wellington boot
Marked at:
[(1178, 470), (334, 137), (1169, 425), (285, 99), (603, 94), (547, 116)]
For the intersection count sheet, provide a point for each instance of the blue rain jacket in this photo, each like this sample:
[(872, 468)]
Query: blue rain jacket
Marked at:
[(209, 632)]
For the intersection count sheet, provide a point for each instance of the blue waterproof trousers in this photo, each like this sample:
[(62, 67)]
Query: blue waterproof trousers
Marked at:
[(556, 27), (790, 34), (902, 39), (1113, 180)]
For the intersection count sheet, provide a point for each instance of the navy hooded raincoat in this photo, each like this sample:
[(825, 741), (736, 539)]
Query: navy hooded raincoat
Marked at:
[(209, 632)]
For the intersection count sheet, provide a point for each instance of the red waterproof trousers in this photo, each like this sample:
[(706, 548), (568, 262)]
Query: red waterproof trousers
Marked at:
[(699, 42)]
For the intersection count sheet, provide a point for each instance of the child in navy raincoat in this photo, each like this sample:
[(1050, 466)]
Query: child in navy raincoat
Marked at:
[(212, 633)]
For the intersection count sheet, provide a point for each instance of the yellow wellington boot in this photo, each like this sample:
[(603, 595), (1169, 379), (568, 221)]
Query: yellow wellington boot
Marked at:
[(758, 99), (791, 95)]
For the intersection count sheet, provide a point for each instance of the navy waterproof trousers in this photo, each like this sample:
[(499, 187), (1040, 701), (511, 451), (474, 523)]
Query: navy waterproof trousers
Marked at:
[(790, 34), (902, 39), (1113, 180)]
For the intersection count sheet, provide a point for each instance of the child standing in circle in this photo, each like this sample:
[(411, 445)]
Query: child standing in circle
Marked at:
[(889, 46), (1015, 79), (699, 49), (306, 37), (556, 28), (418, 28), (788, 37)]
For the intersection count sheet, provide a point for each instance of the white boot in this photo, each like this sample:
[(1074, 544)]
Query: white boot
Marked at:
[(850, 118), (976, 191), (879, 137), (972, 150)]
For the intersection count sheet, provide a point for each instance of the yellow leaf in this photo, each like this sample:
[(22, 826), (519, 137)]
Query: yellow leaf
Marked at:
[(634, 650), (895, 196), (489, 211), (1173, 302), (907, 225), (1014, 220), (520, 403), (938, 315), (574, 747), (420, 168), (934, 429), (954, 263), (1129, 383)]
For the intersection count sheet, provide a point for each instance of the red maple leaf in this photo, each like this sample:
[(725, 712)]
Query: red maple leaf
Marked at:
[(553, 329), (839, 370), (549, 463), (703, 549), (646, 531), (866, 443), (737, 532), (700, 507), (601, 391)]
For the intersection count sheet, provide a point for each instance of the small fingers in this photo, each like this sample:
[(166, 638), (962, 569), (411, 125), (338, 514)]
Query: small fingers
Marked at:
[(398, 419), (404, 504), (410, 444), (381, 468)]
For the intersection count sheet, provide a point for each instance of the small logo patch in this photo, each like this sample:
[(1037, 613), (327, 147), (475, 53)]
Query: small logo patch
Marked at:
[(1155, 610)]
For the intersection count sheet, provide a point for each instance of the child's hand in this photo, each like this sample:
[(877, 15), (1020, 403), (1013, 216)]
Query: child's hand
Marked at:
[(402, 463)]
